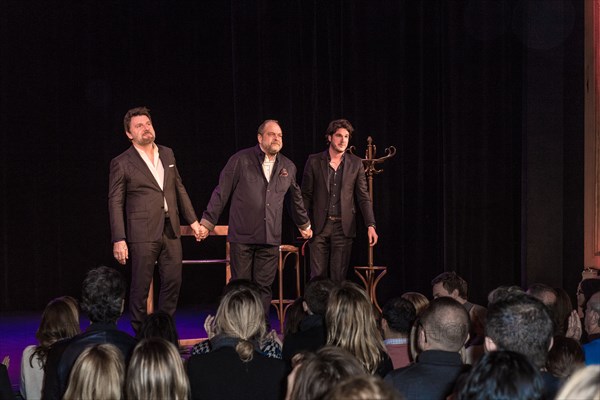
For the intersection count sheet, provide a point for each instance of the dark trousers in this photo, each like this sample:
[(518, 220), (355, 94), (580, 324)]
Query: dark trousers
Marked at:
[(330, 252), (257, 263), (144, 256)]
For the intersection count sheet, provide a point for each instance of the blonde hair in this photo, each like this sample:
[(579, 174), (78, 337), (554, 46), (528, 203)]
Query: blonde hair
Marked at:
[(97, 373), (351, 324), (419, 300), (156, 372), (583, 384), (241, 315), (363, 387)]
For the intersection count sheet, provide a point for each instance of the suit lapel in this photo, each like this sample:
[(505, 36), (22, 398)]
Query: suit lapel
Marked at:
[(140, 164), (325, 169), (166, 161)]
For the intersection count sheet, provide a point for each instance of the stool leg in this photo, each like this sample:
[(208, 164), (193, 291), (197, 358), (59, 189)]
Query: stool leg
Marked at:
[(150, 300)]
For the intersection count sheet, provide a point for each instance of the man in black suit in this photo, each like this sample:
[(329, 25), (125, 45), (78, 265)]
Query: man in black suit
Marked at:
[(331, 181), (145, 187), (257, 180)]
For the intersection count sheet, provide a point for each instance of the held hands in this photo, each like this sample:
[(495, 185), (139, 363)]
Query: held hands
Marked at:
[(372, 236), (198, 234), (120, 251), (306, 234)]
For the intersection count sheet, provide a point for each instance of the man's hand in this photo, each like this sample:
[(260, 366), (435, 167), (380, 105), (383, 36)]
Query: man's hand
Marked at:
[(372, 236), (202, 232), (120, 251), (306, 234), (196, 228)]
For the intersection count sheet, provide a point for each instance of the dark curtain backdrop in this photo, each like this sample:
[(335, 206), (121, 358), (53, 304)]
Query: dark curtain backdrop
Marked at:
[(443, 81)]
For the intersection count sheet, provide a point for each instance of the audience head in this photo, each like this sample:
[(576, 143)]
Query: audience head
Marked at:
[(241, 315), (520, 323), (565, 356), (159, 324), (397, 317), (316, 295), (156, 372), (103, 295), (363, 387), (502, 375), (294, 316), (351, 324), (419, 300), (449, 284), (543, 293), (444, 325), (585, 290), (562, 311), (98, 373), (502, 292), (592, 314), (583, 384), (316, 373), (60, 320)]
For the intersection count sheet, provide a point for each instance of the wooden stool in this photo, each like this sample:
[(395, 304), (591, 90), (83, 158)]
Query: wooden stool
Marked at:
[(372, 276), (281, 304)]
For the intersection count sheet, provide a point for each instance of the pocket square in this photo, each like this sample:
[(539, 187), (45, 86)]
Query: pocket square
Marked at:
[(171, 165), (283, 172)]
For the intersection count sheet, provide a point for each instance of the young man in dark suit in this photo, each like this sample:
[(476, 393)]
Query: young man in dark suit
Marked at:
[(332, 180), (145, 187)]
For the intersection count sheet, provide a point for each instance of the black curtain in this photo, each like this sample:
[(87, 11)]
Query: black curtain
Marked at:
[(442, 81)]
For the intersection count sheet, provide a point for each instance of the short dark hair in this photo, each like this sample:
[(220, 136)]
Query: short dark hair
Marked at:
[(565, 356), (446, 322), (451, 281), (589, 287), (317, 294), (159, 324), (261, 127), (503, 291), (102, 295), (503, 375), (523, 324), (537, 290), (135, 112), (399, 314), (339, 124)]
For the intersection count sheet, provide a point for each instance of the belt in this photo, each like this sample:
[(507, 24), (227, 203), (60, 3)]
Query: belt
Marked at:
[(334, 218)]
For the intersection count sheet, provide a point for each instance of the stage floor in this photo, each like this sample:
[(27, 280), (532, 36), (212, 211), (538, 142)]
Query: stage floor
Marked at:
[(17, 331)]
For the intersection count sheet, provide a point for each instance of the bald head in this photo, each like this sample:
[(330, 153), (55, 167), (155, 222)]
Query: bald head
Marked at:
[(444, 325)]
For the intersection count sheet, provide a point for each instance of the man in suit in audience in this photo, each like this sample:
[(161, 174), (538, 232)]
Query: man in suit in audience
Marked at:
[(146, 190), (331, 181), (442, 332), (521, 323), (397, 318), (102, 299)]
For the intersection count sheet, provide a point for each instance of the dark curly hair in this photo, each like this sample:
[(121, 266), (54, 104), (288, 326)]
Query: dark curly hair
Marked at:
[(102, 295)]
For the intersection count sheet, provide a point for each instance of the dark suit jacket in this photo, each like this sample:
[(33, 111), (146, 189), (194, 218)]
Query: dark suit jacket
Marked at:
[(315, 192), (133, 189), (256, 208), (62, 355)]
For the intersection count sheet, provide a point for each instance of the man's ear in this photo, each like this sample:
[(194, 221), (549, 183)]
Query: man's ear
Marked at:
[(305, 307), (551, 343), (122, 306), (384, 323), (454, 294), (489, 345), (467, 339), (421, 340)]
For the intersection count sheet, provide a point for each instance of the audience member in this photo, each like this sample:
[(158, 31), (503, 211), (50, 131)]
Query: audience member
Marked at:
[(60, 320), (543, 293), (585, 290), (592, 327), (235, 369), (565, 356), (351, 324), (562, 310), (156, 372), (98, 373), (6, 390), (312, 334), (314, 374), (419, 300), (583, 384), (159, 324), (503, 291), (363, 387), (443, 329), (503, 375), (102, 299), (397, 318), (522, 324), (293, 317)]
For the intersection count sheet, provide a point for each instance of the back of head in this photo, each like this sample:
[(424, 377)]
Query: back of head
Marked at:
[(445, 324), (363, 387), (320, 371), (241, 315), (562, 311), (544, 293), (159, 324), (98, 373), (399, 314), (565, 356), (419, 300), (351, 324), (451, 281), (156, 372), (522, 324), (583, 384), (502, 375), (102, 295), (316, 295), (502, 292)]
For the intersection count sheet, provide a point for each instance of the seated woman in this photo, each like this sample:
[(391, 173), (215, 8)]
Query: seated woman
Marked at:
[(351, 325), (60, 320), (98, 373), (159, 324), (156, 372), (235, 368)]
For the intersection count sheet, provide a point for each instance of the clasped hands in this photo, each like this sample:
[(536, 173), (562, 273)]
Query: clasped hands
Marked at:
[(306, 233), (200, 231)]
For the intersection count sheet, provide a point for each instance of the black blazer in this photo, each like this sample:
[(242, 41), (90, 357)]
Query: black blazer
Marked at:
[(315, 192)]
